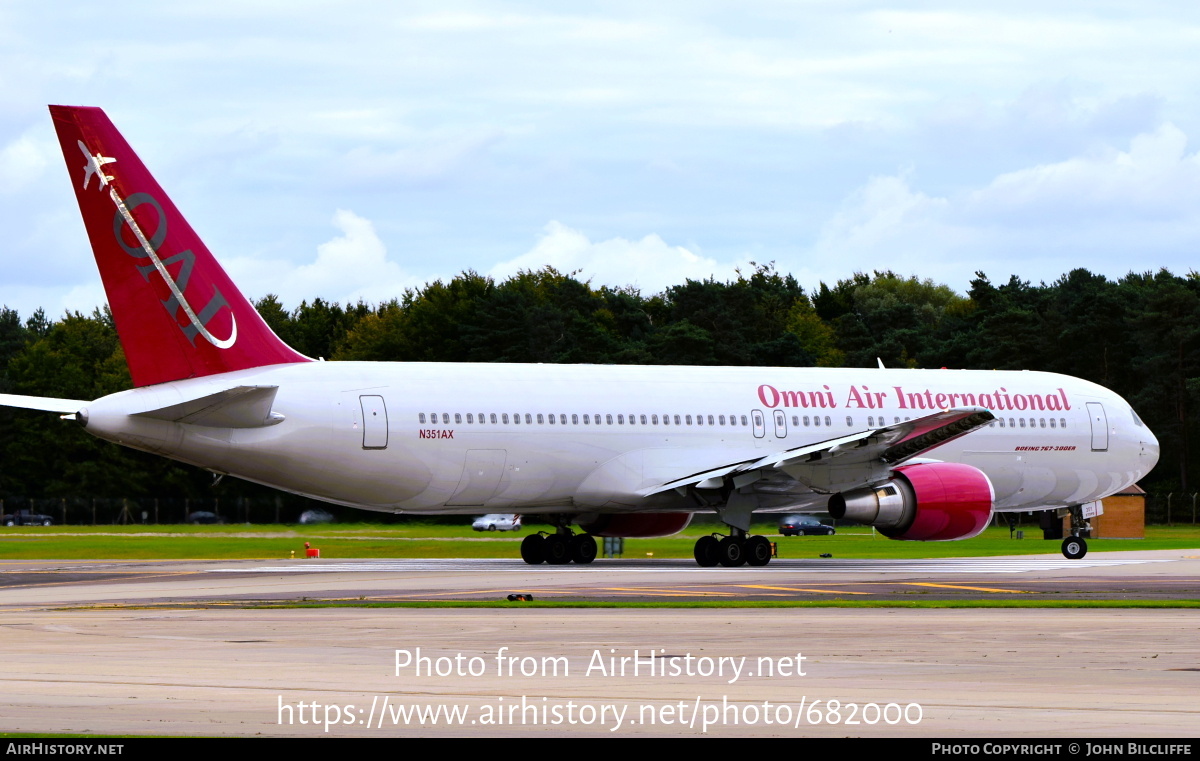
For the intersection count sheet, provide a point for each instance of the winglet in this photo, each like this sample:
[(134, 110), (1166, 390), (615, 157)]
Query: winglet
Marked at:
[(178, 314)]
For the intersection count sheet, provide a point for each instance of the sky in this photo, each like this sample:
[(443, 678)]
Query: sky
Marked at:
[(350, 151)]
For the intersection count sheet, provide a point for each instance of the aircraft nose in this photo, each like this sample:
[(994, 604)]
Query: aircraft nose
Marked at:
[(1149, 450)]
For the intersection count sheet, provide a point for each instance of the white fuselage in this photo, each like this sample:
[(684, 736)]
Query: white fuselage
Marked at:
[(471, 438)]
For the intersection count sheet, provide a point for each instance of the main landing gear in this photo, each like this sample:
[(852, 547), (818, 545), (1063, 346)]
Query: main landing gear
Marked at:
[(733, 550), (559, 548)]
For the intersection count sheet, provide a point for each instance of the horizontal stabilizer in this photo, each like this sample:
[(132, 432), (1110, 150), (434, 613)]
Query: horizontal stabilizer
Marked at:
[(46, 404), (237, 407)]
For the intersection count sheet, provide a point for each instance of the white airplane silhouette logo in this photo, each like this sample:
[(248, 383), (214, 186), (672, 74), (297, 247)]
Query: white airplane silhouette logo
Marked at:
[(93, 167)]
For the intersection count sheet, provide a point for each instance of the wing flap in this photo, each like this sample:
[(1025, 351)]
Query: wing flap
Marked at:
[(846, 461)]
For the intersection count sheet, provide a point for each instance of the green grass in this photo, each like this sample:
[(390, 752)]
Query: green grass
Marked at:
[(416, 540)]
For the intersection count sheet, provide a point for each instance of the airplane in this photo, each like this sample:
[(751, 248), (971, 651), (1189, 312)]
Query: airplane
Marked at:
[(623, 451)]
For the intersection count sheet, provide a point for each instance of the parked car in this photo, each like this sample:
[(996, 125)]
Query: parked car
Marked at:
[(497, 522), (26, 518), (791, 525), (204, 516), (316, 515)]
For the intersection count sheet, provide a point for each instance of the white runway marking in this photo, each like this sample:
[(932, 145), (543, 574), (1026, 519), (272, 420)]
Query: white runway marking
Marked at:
[(500, 565)]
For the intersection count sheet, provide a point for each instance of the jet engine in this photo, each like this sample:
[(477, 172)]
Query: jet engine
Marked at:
[(639, 525), (929, 502)]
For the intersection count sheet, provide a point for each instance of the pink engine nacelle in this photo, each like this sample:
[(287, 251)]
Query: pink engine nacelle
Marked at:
[(636, 525), (929, 502)]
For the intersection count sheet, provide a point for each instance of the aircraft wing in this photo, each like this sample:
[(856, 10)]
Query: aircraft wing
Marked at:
[(44, 403), (845, 462)]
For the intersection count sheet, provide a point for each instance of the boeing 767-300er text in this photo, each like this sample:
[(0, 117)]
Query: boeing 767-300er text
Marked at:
[(618, 451)]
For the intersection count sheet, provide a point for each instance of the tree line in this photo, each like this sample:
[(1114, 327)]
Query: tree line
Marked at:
[(1137, 336)]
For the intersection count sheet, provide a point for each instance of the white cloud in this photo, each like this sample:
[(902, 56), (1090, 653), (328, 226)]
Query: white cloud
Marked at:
[(650, 264), (1111, 211), (22, 162), (351, 267), (1155, 177)]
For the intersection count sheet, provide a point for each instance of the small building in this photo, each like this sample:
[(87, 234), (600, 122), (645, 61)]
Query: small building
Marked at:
[(1124, 516)]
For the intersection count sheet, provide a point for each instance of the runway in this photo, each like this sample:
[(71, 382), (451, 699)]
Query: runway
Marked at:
[(187, 648)]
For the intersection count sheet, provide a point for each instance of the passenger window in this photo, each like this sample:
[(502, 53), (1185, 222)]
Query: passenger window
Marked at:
[(607, 419), (676, 420), (470, 418), (505, 418), (585, 420), (494, 418), (528, 419), (1022, 422), (540, 419), (806, 421), (744, 421), (722, 419), (816, 421), (644, 420), (1042, 423), (446, 418), (574, 420), (1052, 422), (795, 421), (621, 420), (849, 422), (458, 418), (689, 419), (516, 418), (1062, 422), (421, 417), (710, 419), (1001, 422)]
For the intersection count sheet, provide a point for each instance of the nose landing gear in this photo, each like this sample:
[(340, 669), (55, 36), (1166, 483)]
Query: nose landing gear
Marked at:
[(1074, 547)]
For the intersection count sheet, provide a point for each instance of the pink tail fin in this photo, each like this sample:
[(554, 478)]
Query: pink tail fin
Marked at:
[(177, 312)]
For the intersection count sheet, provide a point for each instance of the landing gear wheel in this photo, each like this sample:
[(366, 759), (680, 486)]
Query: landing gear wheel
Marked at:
[(558, 549), (583, 549), (533, 549), (758, 551), (731, 552), (1073, 547), (706, 551)]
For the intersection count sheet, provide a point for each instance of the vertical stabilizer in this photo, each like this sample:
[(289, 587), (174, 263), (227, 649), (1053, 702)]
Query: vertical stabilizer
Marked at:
[(177, 312)]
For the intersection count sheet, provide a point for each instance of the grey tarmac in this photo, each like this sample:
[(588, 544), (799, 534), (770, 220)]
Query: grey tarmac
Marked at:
[(172, 649)]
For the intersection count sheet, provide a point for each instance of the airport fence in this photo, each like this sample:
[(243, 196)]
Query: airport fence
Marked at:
[(82, 511), (1172, 508)]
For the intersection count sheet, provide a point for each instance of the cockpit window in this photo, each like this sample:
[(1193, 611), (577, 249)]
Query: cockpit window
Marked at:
[(1136, 420)]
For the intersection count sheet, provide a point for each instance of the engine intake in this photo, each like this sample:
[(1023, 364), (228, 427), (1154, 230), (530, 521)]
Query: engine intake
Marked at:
[(930, 502)]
